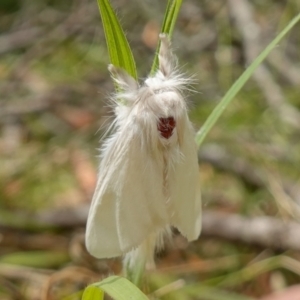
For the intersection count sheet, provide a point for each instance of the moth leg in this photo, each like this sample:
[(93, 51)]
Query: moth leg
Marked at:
[(122, 78), (166, 59)]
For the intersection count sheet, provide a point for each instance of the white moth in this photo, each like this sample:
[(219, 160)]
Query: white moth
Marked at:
[(148, 178)]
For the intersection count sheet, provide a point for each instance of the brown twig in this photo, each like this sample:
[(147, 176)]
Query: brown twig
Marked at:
[(70, 274), (11, 288), (16, 272), (264, 231), (39, 241), (23, 109), (284, 66), (19, 39)]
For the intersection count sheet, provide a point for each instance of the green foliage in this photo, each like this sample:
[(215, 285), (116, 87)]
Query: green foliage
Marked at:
[(36, 259), (117, 44), (9, 6), (116, 287), (229, 96), (45, 148), (170, 18), (121, 55)]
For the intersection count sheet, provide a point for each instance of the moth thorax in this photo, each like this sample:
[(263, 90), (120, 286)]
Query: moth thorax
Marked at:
[(166, 126)]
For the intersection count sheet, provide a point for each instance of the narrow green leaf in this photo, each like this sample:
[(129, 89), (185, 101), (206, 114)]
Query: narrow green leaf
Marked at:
[(135, 275), (119, 288), (93, 293), (213, 293), (75, 296), (214, 116), (36, 259), (170, 18), (171, 15), (117, 44)]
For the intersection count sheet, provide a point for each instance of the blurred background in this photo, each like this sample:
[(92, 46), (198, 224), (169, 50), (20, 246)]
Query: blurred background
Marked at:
[(54, 86)]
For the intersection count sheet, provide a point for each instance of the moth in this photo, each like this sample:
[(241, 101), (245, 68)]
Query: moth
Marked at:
[(148, 176)]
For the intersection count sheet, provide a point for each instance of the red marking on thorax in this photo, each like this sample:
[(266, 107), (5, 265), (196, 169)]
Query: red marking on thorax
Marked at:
[(165, 126)]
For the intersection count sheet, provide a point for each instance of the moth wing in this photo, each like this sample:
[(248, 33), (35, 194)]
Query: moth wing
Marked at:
[(185, 187), (128, 203)]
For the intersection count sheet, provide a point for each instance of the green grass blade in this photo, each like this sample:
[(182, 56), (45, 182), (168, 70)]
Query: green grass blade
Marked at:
[(169, 21), (76, 296), (36, 259), (214, 116), (214, 293), (171, 15), (136, 274), (93, 293), (118, 47), (119, 288)]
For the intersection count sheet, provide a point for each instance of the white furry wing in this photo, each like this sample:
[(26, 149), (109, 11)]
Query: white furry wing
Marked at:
[(185, 186), (128, 203)]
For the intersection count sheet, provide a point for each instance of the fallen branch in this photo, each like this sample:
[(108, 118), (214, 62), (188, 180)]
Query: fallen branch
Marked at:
[(219, 158), (253, 175), (65, 218), (267, 232)]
